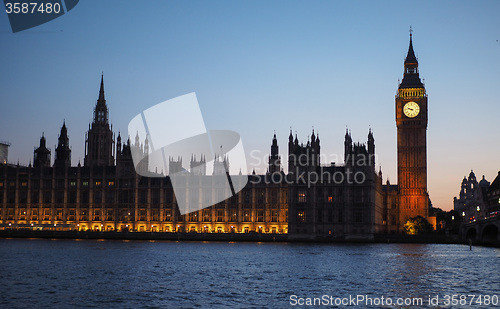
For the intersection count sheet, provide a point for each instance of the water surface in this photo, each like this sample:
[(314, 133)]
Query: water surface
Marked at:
[(159, 274)]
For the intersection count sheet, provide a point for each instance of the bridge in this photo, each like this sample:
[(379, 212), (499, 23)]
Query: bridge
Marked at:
[(482, 232)]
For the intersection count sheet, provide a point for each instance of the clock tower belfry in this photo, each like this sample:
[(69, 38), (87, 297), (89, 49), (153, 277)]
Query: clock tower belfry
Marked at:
[(411, 122)]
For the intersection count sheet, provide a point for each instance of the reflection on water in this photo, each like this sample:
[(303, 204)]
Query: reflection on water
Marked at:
[(117, 274)]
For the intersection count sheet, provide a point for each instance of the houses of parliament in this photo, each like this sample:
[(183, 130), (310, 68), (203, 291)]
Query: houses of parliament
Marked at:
[(107, 194)]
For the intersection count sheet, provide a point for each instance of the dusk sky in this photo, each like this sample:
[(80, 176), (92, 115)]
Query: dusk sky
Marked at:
[(260, 67)]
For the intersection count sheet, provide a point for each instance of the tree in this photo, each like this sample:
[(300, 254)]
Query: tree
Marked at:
[(417, 225)]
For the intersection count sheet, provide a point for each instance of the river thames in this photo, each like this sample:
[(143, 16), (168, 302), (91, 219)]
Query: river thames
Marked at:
[(160, 274)]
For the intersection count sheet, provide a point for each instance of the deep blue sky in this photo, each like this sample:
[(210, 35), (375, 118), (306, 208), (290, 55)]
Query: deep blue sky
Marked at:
[(263, 66)]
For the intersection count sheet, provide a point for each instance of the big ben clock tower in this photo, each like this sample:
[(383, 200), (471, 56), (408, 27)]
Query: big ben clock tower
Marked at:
[(411, 122)]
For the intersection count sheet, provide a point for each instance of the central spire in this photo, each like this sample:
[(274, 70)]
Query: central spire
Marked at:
[(101, 110), (101, 99)]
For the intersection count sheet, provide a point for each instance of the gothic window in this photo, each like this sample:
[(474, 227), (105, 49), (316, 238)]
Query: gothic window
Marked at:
[(206, 216), (168, 215), (109, 216), (46, 214), (34, 214), (154, 215), (59, 214), (193, 217), (233, 217), (83, 215), (97, 215), (71, 215), (142, 215), (260, 216), (302, 196), (22, 214), (220, 215), (246, 216), (301, 216), (274, 216)]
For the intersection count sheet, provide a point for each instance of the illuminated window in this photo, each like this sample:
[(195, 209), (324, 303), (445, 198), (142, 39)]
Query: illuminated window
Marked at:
[(97, 215), (97, 183), (84, 215), (24, 184), (85, 183), (193, 217), (330, 199), (246, 216), (234, 216), (46, 214), (302, 196), (111, 183), (206, 216), (301, 216), (274, 216), (59, 214), (142, 214), (168, 215), (220, 215), (109, 216), (73, 183)]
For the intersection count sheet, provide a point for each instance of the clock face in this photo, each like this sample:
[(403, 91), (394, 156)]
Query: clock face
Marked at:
[(411, 109)]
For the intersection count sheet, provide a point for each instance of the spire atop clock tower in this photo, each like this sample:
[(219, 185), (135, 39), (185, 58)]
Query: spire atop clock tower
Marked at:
[(411, 78)]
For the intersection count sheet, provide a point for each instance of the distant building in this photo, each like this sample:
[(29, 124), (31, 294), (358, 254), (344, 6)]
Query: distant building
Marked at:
[(493, 196), (472, 200), (4, 152)]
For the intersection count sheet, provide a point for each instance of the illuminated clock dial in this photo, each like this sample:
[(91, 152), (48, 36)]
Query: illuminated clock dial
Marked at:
[(411, 109)]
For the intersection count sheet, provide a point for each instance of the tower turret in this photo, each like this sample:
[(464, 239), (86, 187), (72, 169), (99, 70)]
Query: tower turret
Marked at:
[(41, 156), (63, 152), (274, 158), (99, 143)]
